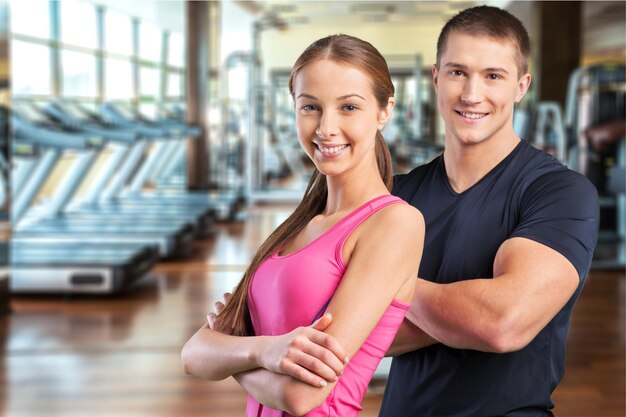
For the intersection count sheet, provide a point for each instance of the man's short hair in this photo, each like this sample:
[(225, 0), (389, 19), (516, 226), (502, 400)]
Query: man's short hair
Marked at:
[(491, 22)]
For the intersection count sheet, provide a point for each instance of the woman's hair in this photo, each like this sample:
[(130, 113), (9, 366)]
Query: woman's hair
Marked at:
[(355, 53)]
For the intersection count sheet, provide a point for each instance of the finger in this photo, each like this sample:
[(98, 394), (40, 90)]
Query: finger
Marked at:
[(303, 374), (318, 363), (320, 360), (329, 343), (226, 297), (323, 322), (219, 307), (211, 317)]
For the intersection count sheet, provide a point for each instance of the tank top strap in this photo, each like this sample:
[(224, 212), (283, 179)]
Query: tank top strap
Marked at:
[(358, 216)]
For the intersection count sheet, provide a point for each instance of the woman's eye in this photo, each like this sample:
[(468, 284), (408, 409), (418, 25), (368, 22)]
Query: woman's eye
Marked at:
[(350, 107), (309, 107)]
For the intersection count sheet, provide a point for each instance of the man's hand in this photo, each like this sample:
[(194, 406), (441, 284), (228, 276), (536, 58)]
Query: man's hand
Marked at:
[(212, 317)]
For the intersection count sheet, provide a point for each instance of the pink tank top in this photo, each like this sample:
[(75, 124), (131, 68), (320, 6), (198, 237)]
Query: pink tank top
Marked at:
[(293, 290)]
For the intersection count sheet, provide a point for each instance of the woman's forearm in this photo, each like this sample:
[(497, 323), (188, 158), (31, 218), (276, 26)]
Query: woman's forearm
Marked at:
[(214, 356), (264, 386), (282, 392)]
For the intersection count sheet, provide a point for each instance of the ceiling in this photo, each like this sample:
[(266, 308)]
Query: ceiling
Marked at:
[(171, 14), (598, 16), (291, 12)]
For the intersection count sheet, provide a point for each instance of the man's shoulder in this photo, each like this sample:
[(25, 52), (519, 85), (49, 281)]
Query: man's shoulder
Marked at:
[(413, 178), (539, 166)]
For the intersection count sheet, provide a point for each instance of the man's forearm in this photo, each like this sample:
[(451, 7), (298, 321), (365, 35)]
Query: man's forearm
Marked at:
[(409, 338)]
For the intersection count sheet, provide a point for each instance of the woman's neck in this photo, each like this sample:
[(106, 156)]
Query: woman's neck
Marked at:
[(349, 192)]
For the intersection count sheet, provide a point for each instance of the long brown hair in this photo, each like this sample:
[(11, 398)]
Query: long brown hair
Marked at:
[(353, 52)]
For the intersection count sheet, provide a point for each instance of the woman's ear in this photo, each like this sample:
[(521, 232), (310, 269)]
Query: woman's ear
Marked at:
[(385, 114)]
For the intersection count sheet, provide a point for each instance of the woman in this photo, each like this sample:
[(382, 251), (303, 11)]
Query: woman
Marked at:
[(350, 249)]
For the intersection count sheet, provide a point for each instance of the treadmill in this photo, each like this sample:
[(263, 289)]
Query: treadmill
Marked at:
[(126, 158), (226, 204), (37, 267), (50, 224)]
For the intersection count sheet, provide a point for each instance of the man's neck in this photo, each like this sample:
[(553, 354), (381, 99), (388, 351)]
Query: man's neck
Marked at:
[(468, 164)]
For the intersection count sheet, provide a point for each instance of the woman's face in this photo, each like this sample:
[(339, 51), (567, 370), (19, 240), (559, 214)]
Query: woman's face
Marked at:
[(337, 116)]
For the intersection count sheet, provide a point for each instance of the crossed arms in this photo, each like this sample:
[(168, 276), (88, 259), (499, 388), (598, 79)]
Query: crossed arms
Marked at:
[(296, 372)]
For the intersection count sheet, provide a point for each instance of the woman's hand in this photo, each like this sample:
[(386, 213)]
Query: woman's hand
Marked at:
[(305, 353)]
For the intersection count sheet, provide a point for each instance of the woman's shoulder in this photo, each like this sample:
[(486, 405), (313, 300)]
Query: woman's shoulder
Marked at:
[(396, 220)]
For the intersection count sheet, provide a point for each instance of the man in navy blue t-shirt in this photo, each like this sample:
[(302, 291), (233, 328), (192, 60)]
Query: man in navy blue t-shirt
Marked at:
[(510, 233)]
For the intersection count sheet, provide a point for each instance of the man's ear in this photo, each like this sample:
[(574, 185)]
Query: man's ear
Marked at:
[(522, 87), (436, 78)]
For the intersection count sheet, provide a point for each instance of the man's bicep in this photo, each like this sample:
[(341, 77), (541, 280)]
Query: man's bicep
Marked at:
[(536, 280)]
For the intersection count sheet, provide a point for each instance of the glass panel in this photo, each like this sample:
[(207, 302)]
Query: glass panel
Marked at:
[(150, 42), (176, 50), (30, 69), (149, 110), (78, 24), (79, 74), (174, 84), (118, 33), (30, 18), (118, 79), (149, 82)]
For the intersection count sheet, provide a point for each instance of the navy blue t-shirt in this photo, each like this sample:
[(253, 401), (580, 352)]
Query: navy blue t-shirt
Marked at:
[(529, 194)]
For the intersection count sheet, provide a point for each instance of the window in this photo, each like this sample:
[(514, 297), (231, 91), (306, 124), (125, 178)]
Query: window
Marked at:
[(30, 18), (79, 74), (30, 69), (78, 24), (149, 110), (149, 82), (118, 79), (118, 33), (174, 85), (176, 50), (150, 41)]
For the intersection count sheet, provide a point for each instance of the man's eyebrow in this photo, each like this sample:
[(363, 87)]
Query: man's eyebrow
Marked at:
[(455, 65), (464, 67), (495, 69)]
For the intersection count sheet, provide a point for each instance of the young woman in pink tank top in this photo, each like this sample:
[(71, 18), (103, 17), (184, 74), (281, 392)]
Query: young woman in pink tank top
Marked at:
[(325, 294)]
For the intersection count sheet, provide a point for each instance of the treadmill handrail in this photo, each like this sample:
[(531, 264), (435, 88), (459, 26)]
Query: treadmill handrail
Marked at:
[(49, 137), (109, 132), (150, 132)]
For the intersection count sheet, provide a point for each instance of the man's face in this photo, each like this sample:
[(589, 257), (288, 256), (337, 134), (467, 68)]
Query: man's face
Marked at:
[(477, 86)]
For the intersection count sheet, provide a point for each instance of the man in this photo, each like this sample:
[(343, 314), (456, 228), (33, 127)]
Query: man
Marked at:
[(509, 239)]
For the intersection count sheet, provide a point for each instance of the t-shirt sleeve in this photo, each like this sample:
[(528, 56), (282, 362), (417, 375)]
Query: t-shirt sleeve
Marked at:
[(561, 211)]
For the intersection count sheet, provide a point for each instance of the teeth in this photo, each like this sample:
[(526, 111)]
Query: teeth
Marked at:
[(333, 149), (472, 115)]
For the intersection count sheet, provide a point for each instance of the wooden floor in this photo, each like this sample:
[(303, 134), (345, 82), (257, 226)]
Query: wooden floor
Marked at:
[(119, 356)]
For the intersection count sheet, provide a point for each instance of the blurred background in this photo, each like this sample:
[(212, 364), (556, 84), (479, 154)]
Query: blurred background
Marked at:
[(147, 148)]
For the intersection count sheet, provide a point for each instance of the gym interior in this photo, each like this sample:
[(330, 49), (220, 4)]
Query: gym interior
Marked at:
[(149, 147)]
